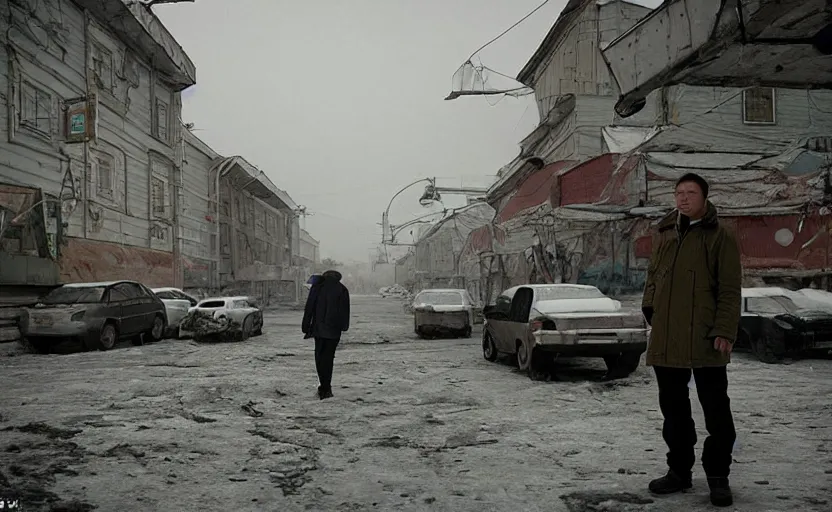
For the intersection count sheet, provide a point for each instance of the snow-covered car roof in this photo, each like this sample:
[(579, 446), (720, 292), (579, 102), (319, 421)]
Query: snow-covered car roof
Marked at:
[(165, 289), (771, 291), (226, 299), (543, 286), (102, 284)]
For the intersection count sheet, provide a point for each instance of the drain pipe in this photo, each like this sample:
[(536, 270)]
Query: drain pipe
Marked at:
[(222, 168)]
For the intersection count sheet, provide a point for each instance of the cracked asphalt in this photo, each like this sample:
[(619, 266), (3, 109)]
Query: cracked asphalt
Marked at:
[(414, 425)]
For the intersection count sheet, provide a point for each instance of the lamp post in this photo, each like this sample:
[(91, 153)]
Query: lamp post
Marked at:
[(385, 217)]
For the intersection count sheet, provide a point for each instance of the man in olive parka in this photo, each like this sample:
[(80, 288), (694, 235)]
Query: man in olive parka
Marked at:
[(692, 300)]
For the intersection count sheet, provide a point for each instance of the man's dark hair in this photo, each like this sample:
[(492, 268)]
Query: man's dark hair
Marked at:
[(695, 178)]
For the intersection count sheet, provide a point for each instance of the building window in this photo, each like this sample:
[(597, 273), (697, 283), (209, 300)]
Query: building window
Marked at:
[(105, 175), (161, 120), (102, 67), (758, 105), (36, 108), (159, 233), (158, 197)]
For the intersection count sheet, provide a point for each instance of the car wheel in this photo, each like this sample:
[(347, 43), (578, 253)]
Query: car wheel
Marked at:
[(259, 330), (523, 356), (769, 349), (36, 347), (489, 348), (248, 326), (621, 365), (157, 330), (108, 337)]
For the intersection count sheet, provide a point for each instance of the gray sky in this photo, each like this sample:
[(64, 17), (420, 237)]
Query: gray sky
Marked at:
[(341, 102)]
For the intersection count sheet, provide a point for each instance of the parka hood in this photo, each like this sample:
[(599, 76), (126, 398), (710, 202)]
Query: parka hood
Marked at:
[(333, 275)]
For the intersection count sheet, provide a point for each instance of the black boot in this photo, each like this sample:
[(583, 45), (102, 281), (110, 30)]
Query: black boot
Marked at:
[(671, 483), (721, 495), (327, 393)]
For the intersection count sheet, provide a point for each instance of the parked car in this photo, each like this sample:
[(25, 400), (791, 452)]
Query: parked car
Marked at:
[(776, 322), (97, 314), (177, 304), (539, 322), (235, 318), (440, 311)]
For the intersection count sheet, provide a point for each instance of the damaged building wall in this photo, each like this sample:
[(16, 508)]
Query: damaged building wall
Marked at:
[(116, 189), (197, 226), (438, 252)]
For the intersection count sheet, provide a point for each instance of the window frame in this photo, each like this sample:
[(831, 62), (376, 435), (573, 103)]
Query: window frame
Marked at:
[(40, 93), (745, 119)]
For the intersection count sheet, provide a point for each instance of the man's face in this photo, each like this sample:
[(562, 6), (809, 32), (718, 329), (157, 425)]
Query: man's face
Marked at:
[(690, 200)]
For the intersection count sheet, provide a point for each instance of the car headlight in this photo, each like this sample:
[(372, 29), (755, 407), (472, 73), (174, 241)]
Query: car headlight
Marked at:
[(783, 325), (77, 317)]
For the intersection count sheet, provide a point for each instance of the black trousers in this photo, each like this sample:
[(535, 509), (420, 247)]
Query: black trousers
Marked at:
[(324, 360), (679, 431)]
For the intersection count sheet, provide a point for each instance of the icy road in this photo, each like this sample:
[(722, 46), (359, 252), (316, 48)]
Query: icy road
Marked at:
[(414, 425)]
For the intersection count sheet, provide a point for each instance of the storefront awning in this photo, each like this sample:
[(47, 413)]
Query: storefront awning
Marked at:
[(728, 43)]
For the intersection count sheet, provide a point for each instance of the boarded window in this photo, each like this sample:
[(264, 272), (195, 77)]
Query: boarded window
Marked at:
[(102, 67), (161, 120), (758, 105), (105, 175), (36, 108), (158, 197)]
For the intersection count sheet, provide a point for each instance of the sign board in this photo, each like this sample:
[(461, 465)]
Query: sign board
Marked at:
[(82, 119)]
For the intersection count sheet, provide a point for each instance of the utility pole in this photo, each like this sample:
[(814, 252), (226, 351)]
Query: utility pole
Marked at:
[(302, 212)]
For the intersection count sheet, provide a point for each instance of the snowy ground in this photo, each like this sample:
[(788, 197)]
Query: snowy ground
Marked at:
[(414, 425)]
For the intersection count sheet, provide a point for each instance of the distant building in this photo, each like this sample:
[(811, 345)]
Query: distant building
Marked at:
[(310, 250)]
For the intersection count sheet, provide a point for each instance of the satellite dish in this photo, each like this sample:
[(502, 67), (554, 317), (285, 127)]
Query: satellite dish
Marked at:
[(784, 237)]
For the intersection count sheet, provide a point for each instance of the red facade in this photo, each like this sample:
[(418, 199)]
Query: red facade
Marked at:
[(756, 237), (585, 183), (92, 261), (533, 192)]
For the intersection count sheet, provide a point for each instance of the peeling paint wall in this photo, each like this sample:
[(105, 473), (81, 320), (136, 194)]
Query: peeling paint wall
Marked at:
[(197, 229), (105, 186)]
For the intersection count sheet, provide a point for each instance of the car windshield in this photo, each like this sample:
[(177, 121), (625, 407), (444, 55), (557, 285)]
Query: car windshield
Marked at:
[(74, 295), (439, 298), (568, 292), (773, 305), (212, 304)]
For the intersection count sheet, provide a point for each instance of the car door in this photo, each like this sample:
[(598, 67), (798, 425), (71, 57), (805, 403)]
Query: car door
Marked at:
[(497, 318), (517, 327), (116, 299), (176, 306), (148, 306), (131, 309)]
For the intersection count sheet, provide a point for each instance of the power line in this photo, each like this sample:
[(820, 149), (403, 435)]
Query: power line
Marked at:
[(509, 29)]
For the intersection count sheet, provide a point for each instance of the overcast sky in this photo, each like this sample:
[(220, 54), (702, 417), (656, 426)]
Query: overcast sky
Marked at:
[(341, 102)]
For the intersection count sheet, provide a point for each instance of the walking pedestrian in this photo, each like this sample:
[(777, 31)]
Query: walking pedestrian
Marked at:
[(692, 301), (326, 316)]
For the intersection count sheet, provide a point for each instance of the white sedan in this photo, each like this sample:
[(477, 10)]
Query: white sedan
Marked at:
[(177, 304), (238, 317), (437, 311)]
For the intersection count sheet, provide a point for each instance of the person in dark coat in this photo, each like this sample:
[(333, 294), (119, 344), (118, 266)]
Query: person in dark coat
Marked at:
[(692, 300), (312, 283), (326, 316)]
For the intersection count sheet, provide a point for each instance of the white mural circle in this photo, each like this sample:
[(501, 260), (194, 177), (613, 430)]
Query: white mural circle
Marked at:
[(784, 237)]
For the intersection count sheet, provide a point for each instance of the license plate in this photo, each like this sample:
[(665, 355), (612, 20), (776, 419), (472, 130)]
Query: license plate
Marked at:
[(43, 320)]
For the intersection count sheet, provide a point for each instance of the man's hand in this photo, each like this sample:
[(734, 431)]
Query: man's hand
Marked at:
[(723, 345)]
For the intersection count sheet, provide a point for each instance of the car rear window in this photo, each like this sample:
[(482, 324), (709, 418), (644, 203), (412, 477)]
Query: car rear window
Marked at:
[(439, 298), (74, 295), (213, 304)]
